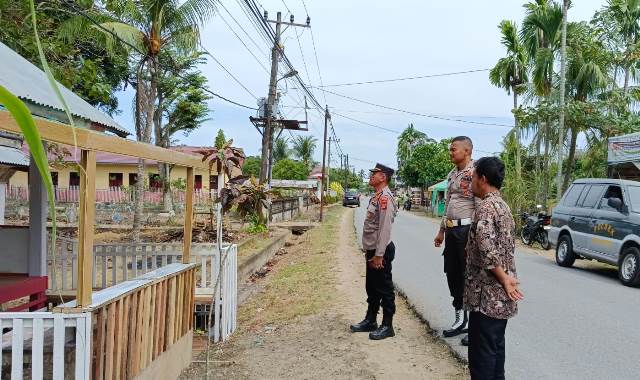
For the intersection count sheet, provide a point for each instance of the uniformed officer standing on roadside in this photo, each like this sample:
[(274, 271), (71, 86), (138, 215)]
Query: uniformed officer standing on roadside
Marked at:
[(454, 229), (380, 251)]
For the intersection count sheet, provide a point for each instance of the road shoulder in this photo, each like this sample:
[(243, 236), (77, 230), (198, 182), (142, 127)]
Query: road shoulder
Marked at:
[(297, 326)]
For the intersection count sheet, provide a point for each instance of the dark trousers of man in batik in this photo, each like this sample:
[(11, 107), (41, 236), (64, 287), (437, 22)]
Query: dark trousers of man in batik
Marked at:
[(486, 347), (379, 286)]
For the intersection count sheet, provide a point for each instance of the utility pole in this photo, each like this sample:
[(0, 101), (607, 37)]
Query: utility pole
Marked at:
[(324, 154), (563, 74), (267, 136), (346, 172)]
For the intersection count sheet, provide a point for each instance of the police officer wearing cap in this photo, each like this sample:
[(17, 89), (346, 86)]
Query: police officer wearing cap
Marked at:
[(379, 253), (454, 230)]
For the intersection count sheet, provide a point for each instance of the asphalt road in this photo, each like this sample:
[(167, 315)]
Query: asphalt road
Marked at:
[(573, 323)]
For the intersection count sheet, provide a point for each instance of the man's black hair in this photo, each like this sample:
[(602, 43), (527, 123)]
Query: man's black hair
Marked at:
[(463, 139), (492, 169)]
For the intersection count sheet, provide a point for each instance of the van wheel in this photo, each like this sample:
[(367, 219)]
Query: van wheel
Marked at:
[(564, 252), (629, 268)]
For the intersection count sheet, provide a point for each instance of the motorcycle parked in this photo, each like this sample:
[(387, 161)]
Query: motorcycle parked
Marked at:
[(407, 205), (535, 228)]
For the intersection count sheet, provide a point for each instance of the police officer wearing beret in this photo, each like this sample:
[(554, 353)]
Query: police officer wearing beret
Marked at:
[(379, 253)]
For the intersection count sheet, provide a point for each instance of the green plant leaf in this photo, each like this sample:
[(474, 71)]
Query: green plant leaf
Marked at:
[(21, 113)]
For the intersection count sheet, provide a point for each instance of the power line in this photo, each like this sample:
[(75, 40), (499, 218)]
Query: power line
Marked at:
[(241, 41), (97, 24), (368, 124), (228, 72), (405, 78), (415, 113), (241, 27)]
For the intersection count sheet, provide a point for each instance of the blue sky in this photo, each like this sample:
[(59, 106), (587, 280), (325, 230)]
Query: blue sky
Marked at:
[(358, 40)]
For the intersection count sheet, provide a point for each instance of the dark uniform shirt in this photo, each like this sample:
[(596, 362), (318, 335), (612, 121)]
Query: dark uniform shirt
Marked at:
[(491, 244), (381, 211), (460, 202)]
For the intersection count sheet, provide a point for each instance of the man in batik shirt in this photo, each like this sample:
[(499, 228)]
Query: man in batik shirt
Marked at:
[(491, 287)]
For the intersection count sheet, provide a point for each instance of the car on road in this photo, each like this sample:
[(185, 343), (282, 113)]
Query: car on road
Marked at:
[(599, 219), (350, 198)]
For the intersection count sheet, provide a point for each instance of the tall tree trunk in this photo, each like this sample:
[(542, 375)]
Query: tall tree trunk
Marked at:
[(547, 159), (538, 183), (627, 73), (139, 185), (517, 133), (146, 138), (572, 156), (162, 141)]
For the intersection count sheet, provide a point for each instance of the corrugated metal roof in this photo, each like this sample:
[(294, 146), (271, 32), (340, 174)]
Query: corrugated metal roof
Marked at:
[(28, 82), (13, 156)]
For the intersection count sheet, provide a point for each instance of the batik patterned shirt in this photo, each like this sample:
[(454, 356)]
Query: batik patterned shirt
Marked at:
[(491, 244)]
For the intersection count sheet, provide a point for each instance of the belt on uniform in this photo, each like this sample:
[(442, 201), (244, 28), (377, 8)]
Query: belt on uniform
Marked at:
[(451, 223)]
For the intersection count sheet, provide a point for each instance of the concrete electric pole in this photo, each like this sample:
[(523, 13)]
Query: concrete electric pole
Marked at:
[(267, 136), (324, 154)]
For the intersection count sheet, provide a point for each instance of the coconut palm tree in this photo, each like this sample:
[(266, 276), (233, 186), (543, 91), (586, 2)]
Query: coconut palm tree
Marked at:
[(510, 73), (303, 148), (626, 16), (149, 27), (280, 149), (588, 70), (541, 31)]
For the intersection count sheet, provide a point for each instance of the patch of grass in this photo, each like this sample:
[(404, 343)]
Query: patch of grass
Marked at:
[(302, 284)]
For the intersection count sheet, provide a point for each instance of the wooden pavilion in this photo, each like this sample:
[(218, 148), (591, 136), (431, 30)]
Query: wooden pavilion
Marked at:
[(138, 328)]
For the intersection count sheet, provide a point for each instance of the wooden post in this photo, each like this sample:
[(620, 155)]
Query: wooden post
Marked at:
[(38, 211), (188, 217), (85, 227)]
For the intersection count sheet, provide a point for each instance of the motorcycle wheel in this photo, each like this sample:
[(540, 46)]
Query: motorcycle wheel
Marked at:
[(524, 236), (544, 240)]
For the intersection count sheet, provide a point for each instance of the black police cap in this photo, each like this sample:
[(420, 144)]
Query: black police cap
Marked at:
[(382, 168)]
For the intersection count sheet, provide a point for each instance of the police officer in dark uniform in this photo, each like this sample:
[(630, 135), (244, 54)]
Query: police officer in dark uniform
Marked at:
[(454, 229), (380, 251)]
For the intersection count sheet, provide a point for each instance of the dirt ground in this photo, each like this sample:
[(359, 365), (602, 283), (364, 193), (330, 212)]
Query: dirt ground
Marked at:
[(297, 327)]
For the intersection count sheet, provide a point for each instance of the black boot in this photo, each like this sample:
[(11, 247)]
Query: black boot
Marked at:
[(385, 330), (465, 341), (369, 322), (459, 325)]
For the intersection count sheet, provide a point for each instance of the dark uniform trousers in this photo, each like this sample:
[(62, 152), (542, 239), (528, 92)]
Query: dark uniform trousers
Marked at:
[(379, 284), (486, 347), (455, 243)]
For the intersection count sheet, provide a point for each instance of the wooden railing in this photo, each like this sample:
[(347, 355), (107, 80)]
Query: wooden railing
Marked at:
[(44, 345), (137, 320), (117, 262), (114, 194)]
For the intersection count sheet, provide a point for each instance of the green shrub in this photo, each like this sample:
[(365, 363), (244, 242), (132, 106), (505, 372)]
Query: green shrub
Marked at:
[(255, 225)]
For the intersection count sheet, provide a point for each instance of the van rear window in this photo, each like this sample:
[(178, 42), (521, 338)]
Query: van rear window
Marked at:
[(634, 197), (573, 194)]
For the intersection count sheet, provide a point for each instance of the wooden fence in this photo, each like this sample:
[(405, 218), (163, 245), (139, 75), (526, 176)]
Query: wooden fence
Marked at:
[(117, 263), (138, 320), (286, 208), (45, 345), (113, 195)]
